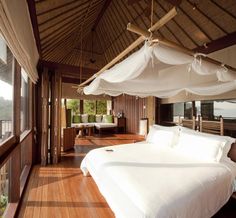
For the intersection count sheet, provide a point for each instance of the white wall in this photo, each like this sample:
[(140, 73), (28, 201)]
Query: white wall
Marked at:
[(226, 56)]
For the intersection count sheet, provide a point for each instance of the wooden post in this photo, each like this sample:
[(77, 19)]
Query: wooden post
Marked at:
[(44, 116), (15, 161), (55, 117)]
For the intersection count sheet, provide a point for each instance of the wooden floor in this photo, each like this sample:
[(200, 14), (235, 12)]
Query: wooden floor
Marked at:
[(62, 190)]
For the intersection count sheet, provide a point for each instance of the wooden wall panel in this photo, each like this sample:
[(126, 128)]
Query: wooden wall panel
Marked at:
[(133, 109)]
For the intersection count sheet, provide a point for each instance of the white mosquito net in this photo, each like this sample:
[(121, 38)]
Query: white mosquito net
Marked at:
[(163, 72)]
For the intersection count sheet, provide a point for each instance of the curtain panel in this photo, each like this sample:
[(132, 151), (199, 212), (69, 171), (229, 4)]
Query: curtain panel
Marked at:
[(16, 29)]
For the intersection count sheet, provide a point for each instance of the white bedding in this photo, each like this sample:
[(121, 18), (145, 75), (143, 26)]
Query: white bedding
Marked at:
[(143, 180)]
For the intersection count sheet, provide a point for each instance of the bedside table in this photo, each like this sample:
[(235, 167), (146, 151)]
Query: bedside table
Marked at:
[(121, 124)]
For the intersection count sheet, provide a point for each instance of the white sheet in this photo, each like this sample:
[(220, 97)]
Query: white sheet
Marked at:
[(142, 180)]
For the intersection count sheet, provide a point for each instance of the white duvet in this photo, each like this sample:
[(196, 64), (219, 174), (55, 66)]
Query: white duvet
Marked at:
[(143, 180)]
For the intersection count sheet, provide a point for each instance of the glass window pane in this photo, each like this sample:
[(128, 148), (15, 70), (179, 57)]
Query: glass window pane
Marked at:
[(6, 93), (102, 107), (89, 107), (4, 185), (24, 114), (188, 110), (225, 108), (74, 105)]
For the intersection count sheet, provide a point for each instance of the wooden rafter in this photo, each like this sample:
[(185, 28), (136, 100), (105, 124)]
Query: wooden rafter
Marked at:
[(101, 13), (156, 26), (218, 44), (195, 23), (208, 17), (182, 29), (32, 11)]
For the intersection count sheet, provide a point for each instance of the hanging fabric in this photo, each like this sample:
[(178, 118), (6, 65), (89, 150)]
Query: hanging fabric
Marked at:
[(163, 72)]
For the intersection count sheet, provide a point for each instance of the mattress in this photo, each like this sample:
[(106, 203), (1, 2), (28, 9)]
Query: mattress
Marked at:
[(143, 180)]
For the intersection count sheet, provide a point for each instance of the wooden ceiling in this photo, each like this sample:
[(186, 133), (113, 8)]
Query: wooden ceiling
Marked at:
[(94, 31)]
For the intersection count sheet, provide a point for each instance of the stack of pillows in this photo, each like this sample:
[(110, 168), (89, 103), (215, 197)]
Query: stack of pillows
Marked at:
[(91, 118), (194, 144)]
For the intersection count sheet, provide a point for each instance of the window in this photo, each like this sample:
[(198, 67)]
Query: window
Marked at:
[(6, 91), (24, 113), (178, 112), (225, 108), (74, 105), (89, 107), (188, 110), (102, 107), (4, 184)]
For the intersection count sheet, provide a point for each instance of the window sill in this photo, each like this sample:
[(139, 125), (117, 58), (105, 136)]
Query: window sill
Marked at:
[(25, 134)]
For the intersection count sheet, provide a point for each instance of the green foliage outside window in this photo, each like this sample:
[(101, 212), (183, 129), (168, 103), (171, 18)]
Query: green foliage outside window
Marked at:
[(89, 107), (102, 107), (73, 104)]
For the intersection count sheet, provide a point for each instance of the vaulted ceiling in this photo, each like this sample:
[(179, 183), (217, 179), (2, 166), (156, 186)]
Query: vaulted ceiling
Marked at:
[(93, 32)]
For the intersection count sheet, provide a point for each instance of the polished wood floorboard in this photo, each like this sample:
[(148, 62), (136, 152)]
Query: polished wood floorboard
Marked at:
[(62, 191)]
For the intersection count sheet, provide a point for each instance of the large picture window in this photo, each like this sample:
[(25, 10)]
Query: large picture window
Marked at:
[(6, 92), (89, 106), (102, 107)]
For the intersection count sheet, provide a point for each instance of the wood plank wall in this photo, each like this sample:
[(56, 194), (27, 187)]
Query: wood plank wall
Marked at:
[(133, 109)]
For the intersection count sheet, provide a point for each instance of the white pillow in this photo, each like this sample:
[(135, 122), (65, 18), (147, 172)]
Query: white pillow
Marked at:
[(84, 118), (98, 118), (226, 146), (162, 136), (200, 147), (174, 129)]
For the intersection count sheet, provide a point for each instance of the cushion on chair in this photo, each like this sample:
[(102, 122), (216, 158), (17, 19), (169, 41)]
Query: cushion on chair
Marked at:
[(76, 119), (91, 118), (98, 118)]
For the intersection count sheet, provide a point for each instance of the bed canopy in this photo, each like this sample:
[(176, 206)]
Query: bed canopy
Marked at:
[(162, 71)]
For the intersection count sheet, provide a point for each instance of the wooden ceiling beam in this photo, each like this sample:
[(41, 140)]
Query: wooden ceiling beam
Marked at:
[(56, 8), (208, 17), (76, 11), (66, 69), (101, 13), (217, 44), (182, 29), (195, 23), (175, 3), (166, 26), (223, 9), (33, 17)]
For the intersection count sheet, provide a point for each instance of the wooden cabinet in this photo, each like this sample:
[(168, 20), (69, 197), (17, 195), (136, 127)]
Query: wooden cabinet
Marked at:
[(68, 138), (121, 124)]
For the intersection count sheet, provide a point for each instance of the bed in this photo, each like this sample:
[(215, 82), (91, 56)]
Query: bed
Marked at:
[(162, 178)]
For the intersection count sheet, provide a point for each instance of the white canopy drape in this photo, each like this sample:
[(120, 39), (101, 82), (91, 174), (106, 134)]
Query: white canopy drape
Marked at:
[(163, 72), (15, 26)]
